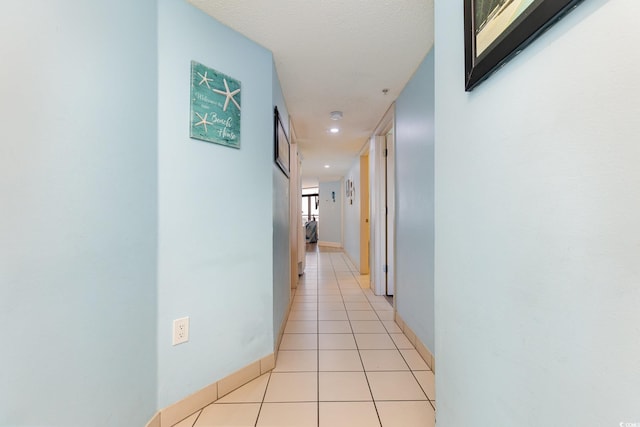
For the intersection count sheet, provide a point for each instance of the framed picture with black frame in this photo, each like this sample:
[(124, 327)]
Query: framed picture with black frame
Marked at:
[(497, 30), (281, 143)]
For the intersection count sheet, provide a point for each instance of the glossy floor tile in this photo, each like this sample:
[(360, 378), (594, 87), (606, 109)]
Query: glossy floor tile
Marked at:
[(342, 362)]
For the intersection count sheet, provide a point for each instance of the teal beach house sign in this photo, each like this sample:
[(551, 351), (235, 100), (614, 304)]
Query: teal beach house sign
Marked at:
[(215, 106)]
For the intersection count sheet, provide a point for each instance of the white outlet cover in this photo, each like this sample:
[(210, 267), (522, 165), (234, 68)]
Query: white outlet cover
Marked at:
[(180, 330)]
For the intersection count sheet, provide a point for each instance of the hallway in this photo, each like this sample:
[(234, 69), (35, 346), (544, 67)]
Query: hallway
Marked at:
[(343, 362)]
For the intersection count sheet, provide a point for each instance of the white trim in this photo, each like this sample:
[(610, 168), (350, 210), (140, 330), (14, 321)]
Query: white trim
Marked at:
[(378, 214), (391, 215), (380, 219)]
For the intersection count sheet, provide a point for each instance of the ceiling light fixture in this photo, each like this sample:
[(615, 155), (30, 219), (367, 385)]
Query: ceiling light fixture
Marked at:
[(334, 130), (327, 166), (335, 115)]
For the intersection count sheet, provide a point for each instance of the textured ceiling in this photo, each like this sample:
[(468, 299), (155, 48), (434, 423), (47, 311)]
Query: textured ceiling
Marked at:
[(334, 55)]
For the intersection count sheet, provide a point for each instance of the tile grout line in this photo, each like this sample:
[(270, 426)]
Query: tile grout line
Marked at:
[(197, 418), (264, 395), (366, 377)]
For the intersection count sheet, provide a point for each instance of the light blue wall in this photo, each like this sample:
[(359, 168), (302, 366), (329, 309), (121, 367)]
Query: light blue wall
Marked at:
[(415, 116), (352, 216), (537, 231), (78, 213), (330, 211), (215, 209), (281, 254)]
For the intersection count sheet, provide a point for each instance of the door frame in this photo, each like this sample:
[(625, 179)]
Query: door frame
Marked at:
[(364, 213), (382, 206)]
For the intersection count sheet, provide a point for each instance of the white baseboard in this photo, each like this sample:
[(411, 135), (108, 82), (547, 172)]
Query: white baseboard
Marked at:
[(329, 244), (422, 349), (182, 409)]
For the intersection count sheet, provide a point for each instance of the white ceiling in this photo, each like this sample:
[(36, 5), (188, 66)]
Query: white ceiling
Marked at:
[(334, 55)]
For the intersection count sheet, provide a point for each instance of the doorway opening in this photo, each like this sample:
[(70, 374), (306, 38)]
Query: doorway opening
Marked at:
[(311, 213)]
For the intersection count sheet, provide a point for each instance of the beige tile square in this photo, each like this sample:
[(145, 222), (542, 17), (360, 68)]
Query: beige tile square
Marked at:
[(348, 414), (362, 315), (288, 415), (325, 306), (348, 282), (391, 327), (292, 387), (326, 274), (368, 327), (406, 414), (382, 306), (336, 342), (399, 385), (305, 298), (303, 315), (414, 360), (351, 291), (229, 415), (369, 293), (328, 290), (334, 327), (252, 392), (332, 315), (327, 283), (301, 327), (357, 305), (383, 360), (343, 386), (339, 360), (355, 298), (299, 342), (188, 422), (297, 361), (401, 341), (385, 315), (329, 298), (298, 306), (427, 382), (374, 342)]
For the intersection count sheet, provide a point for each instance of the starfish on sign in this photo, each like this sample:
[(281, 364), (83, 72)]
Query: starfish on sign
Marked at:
[(204, 80), (203, 121), (228, 94)]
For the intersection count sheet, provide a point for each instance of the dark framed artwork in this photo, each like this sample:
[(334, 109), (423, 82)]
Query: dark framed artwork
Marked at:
[(497, 30), (281, 143)]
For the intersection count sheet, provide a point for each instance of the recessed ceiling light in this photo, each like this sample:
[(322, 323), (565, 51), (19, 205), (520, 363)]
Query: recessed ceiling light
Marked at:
[(334, 130), (335, 115), (327, 166)]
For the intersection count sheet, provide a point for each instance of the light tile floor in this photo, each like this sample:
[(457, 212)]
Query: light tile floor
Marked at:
[(343, 362)]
